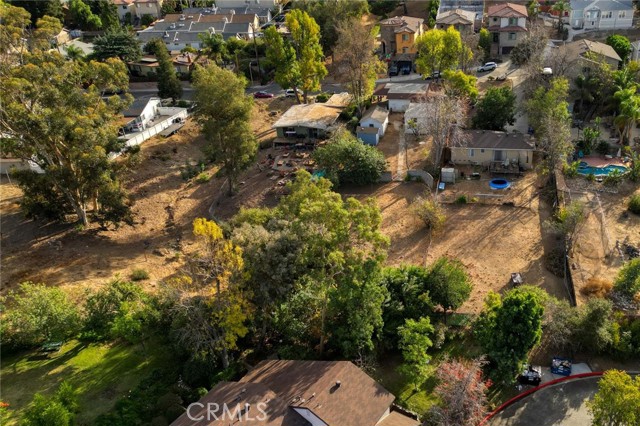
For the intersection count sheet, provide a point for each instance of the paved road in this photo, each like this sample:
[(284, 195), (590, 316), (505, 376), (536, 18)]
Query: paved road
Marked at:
[(562, 404)]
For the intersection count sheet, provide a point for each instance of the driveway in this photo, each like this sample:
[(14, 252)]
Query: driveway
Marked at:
[(561, 404)]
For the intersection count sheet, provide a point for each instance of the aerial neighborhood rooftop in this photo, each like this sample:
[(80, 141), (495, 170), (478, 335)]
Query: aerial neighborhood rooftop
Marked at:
[(325, 213)]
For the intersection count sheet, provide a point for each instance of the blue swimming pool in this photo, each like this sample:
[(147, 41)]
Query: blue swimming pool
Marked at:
[(499, 184), (586, 169)]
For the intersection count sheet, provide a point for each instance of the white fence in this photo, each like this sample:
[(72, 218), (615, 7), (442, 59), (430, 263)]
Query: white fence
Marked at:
[(150, 132)]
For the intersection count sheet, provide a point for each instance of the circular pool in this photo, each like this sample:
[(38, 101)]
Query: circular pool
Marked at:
[(499, 184)]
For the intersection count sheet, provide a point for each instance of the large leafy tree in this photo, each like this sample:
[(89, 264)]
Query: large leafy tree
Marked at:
[(210, 309), (281, 55), (484, 42), (621, 45), (333, 295), (305, 36), (117, 44), (13, 31), (83, 16), (616, 403), (549, 116), (438, 50), (38, 9), (460, 85), (496, 109), (449, 284), (330, 15), (223, 113), (414, 341), (108, 13), (408, 297), (47, 27), (628, 279), (55, 115), (346, 160), (355, 59), (36, 314), (509, 327), (168, 84), (213, 46)]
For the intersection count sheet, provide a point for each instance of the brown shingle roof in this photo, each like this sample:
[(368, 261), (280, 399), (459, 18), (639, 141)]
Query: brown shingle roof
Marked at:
[(357, 401), (508, 10), (376, 113), (580, 47), (408, 22), (456, 16), (488, 139), (396, 418)]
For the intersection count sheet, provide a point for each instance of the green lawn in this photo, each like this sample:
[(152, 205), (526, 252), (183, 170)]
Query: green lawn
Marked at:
[(101, 372)]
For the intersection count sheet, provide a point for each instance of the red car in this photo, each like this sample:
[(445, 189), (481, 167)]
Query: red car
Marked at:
[(259, 95)]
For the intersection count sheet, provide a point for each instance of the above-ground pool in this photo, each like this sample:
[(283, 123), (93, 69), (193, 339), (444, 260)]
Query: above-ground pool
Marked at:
[(586, 169), (499, 184)]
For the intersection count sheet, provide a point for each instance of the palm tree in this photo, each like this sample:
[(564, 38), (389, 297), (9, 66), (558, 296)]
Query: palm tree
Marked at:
[(628, 116), (583, 91), (74, 53), (561, 6)]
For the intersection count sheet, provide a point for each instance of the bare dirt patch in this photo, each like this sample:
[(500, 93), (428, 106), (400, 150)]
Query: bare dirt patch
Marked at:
[(491, 240), (594, 254), (165, 205)]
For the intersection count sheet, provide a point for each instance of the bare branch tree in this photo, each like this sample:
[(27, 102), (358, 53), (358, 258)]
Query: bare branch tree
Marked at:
[(441, 117)]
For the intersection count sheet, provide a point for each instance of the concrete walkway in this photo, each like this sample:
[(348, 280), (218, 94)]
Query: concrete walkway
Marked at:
[(561, 404), (402, 153)]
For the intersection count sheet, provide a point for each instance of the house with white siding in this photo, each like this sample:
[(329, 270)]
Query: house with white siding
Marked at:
[(507, 23), (601, 15), (400, 95)]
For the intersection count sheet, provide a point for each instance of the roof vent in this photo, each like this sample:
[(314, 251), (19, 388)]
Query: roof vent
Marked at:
[(182, 17)]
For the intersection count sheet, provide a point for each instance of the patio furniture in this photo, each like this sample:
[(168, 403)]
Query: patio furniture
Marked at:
[(516, 279), (51, 347)]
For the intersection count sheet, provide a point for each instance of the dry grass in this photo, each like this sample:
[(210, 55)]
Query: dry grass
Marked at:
[(597, 287)]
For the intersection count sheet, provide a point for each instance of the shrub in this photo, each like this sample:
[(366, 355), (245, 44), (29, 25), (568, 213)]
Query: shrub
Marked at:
[(139, 275), (203, 178), (348, 112), (147, 20), (628, 280), (347, 160), (58, 410), (461, 199), (634, 204), (591, 177), (602, 148), (429, 212), (37, 314), (597, 287), (323, 97), (571, 170), (613, 179)]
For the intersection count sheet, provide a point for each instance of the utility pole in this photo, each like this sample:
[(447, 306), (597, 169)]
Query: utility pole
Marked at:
[(255, 48)]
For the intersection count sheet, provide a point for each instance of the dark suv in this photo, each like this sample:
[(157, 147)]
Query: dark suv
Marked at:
[(393, 70)]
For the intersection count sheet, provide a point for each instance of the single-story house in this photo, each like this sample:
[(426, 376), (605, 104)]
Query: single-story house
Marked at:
[(298, 393), (496, 150), (414, 117), (144, 67), (400, 95), (307, 123), (376, 117), (368, 135), (581, 54)]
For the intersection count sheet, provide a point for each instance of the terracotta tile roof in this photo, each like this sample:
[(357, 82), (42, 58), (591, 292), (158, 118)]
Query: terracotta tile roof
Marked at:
[(356, 401), (408, 22), (122, 2), (508, 10)]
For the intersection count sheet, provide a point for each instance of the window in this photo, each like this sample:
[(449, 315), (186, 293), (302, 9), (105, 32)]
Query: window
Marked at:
[(622, 14), (495, 19), (512, 36), (513, 21), (606, 15), (496, 37), (371, 125), (405, 37), (124, 6), (471, 152), (482, 151)]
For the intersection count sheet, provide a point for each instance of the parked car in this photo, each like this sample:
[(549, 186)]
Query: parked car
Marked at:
[(434, 75), (489, 66), (290, 93), (393, 70), (406, 70), (261, 94)]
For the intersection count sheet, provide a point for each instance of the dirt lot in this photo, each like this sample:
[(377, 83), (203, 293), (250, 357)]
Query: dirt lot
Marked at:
[(608, 221), (491, 240), (164, 207)]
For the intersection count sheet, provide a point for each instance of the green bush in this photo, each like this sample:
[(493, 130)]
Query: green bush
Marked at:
[(139, 275), (147, 20), (461, 199), (634, 204), (35, 314), (58, 410), (628, 280), (613, 179), (203, 177), (571, 170), (349, 112), (323, 97), (429, 212), (603, 148), (591, 177)]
